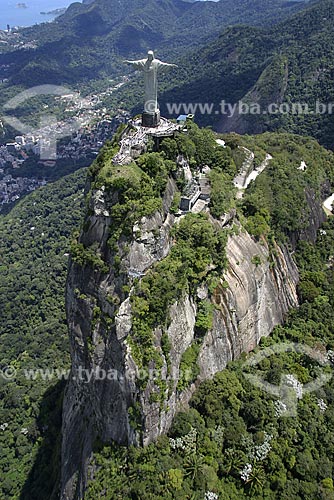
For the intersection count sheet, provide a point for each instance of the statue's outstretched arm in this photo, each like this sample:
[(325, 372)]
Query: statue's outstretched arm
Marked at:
[(136, 64), (168, 64)]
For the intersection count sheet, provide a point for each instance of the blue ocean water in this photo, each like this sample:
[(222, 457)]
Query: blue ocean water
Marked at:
[(28, 12)]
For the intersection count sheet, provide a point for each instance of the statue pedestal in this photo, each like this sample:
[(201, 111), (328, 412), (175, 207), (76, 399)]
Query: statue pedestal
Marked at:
[(150, 120)]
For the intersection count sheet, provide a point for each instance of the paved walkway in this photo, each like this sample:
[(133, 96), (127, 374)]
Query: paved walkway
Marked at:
[(329, 204), (246, 175)]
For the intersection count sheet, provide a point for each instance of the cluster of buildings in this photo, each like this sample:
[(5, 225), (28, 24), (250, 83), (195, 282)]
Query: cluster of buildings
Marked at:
[(12, 37), (22, 143), (84, 145), (134, 140), (11, 189), (78, 138), (73, 139), (196, 194)]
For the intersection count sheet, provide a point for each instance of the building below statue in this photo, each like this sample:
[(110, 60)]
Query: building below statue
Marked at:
[(135, 137), (150, 120)]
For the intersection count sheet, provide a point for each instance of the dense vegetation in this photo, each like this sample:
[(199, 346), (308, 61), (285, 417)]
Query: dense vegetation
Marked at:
[(289, 63), (279, 199), (198, 248), (89, 41), (235, 442), (230, 421), (34, 248)]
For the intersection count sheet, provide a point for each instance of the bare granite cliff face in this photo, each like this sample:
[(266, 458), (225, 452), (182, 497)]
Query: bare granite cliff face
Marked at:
[(97, 405), (260, 287)]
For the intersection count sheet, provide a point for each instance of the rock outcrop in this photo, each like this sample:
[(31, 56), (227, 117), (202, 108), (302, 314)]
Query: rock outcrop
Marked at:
[(260, 287), (109, 396), (105, 399)]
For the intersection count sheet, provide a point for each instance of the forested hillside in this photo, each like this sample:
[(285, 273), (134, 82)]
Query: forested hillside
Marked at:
[(34, 249), (263, 63), (234, 442), (292, 62), (90, 41), (34, 246)]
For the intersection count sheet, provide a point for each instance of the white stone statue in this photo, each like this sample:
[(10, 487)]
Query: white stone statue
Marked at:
[(150, 68)]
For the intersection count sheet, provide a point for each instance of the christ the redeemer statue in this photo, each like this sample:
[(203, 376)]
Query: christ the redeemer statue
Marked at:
[(150, 66)]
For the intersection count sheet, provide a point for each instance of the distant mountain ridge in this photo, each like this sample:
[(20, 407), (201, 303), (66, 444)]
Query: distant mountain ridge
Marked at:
[(292, 62), (88, 40)]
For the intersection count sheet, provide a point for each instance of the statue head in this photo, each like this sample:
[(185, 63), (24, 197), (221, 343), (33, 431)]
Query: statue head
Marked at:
[(150, 55)]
